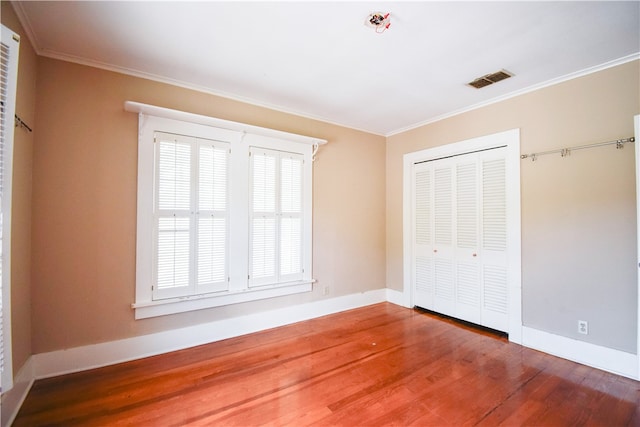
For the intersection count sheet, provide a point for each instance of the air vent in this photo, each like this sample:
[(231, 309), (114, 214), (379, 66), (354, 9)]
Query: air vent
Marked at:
[(490, 79)]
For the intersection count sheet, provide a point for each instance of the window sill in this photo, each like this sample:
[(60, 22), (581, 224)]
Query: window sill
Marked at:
[(144, 310)]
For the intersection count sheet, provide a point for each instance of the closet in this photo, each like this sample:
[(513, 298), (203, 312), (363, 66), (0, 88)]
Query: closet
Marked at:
[(459, 232)]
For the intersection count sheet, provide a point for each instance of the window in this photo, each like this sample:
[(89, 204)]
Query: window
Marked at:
[(276, 217), (224, 212), (9, 77), (190, 216)]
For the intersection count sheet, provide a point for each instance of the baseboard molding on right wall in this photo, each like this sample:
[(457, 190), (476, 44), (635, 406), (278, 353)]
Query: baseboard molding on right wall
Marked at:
[(596, 356)]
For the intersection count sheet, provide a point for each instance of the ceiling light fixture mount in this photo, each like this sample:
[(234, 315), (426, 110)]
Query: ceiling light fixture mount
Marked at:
[(379, 21)]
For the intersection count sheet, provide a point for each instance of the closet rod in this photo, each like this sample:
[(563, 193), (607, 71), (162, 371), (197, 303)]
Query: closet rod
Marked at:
[(564, 152)]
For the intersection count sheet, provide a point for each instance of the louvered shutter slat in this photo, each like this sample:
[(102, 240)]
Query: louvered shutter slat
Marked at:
[(173, 259), (173, 245), (443, 211), (263, 244), (494, 202), (423, 207), (466, 205), (3, 96), (291, 222), (174, 175), (212, 250), (212, 223)]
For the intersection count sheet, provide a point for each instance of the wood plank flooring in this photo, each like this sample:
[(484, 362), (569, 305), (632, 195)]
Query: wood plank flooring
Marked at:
[(378, 365)]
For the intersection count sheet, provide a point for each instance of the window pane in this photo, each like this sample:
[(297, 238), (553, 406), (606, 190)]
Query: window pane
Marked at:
[(212, 238), (212, 178), (173, 252), (290, 241), (264, 183), (174, 175), (291, 185), (263, 247)]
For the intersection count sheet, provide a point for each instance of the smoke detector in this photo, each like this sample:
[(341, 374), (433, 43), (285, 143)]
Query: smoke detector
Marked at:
[(379, 21), (490, 79)]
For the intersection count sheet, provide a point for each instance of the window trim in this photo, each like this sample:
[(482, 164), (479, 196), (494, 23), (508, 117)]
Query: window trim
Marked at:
[(241, 137)]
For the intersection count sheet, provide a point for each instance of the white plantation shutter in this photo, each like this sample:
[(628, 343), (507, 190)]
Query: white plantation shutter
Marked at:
[(9, 48), (3, 89), (173, 261), (212, 249), (174, 174), (174, 219), (276, 217), (212, 216), (263, 216), (291, 219), (191, 215)]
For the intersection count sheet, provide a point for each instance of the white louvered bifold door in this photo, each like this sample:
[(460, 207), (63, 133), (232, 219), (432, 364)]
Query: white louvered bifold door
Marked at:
[(495, 299), (459, 237), (467, 255), (422, 237), (443, 250)]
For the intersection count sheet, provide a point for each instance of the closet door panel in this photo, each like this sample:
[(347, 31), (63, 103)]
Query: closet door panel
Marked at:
[(443, 226), (423, 267), (494, 241), (467, 281)]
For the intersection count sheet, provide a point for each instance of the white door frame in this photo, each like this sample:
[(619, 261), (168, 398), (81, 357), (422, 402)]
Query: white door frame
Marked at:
[(636, 122), (511, 140)]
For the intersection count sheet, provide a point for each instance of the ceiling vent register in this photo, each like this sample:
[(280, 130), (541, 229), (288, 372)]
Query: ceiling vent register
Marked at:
[(490, 79)]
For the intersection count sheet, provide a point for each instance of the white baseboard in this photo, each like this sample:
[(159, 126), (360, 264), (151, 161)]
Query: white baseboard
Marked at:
[(396, 297), (93, 356), (604, 358), (12, 400)]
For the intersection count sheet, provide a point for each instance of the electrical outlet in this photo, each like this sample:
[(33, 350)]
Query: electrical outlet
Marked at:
[(325, 290), (583, 327)]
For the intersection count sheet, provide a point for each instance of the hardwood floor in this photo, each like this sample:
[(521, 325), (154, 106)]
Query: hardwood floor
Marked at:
[(379, 365)]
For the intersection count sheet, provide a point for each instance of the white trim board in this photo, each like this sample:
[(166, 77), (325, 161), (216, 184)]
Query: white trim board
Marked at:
[(13, 399), (595, 356), (636, 128), (97, 355)]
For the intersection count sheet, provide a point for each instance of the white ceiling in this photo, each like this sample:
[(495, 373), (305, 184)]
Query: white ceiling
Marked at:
[(318, 59)]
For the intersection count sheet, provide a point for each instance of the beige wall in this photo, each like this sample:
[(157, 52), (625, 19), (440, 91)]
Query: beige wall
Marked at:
[(578, 213), (84, 205), (21, 201)]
